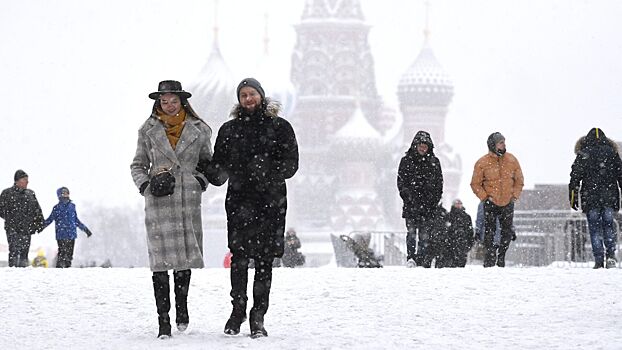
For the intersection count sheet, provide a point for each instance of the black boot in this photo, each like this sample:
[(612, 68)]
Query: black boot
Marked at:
[(162, 293), (501, 256), (261, 298), (239, 281), (490, 257), (599, 264), (238, 316), (501, 260), (182, 284), (256, 323)]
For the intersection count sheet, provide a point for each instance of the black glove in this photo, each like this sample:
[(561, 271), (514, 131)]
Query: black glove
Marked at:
[(88, 232), (143, 187), (574, 199), (162, 184), (202, 183)]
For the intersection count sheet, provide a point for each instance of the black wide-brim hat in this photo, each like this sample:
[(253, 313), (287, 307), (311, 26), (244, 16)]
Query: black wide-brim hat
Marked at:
[(169, 87)]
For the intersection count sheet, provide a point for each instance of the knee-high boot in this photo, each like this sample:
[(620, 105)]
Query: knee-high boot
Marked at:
[(239, 282), (261, 298), (161, 290), (182, 284)]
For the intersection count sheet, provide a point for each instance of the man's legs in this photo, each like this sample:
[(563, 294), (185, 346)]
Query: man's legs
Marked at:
[(595, 226), (11, 237), (490, 225), (23, 246), (506, 219), (425, 253), (411, 239), (239, 282), (261, 296)]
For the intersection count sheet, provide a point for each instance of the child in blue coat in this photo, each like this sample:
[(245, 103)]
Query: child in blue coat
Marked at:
[(66, 218)]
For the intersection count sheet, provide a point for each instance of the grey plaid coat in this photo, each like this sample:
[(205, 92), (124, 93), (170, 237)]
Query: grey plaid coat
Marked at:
[(174, 231)]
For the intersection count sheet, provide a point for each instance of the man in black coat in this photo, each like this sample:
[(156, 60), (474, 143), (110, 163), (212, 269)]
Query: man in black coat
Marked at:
[(596, 178), (420, 183), (256, 151), (22, 217)]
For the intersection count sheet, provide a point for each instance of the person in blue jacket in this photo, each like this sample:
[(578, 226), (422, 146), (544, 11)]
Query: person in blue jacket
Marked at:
[(66, 218)]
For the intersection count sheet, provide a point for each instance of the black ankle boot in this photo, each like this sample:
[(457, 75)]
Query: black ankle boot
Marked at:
[(238, 316), (501, 260), (182, 284), (162, 292), (256, 323)]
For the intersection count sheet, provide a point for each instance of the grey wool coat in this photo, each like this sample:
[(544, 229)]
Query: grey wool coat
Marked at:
[(174, 231)]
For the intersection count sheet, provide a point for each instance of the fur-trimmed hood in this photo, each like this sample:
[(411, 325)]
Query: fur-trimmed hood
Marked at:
[(595, 137), (271, 108)]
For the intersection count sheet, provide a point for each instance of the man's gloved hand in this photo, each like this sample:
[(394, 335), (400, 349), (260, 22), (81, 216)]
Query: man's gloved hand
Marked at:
[(574, 200), (88, 232)]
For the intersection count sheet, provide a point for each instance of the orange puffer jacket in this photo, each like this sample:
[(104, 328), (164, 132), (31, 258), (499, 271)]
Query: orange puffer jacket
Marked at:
[(498, 178)]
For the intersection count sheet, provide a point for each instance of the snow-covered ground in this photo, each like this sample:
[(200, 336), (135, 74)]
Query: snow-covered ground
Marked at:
[(322, 308)]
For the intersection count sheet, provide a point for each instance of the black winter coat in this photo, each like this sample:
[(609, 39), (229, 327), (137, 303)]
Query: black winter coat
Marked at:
[(420, 181), (596, 172), (460, 231), (21, 211), (256, 153)]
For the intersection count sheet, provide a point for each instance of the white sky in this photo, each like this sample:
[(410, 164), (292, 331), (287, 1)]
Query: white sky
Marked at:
[(75, 77)]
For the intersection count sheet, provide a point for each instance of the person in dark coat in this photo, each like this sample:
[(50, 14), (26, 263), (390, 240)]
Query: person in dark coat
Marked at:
[(171, 143), (420, 183), (256, 151), (291, 256), (460, 235), (22, 216), (66, 220), (439, 239), (595, 181)]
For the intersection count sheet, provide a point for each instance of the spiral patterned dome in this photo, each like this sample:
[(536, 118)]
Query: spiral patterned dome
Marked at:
[(425, 82)]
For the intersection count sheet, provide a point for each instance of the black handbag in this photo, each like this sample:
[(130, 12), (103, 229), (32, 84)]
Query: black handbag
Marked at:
[(162, 184)]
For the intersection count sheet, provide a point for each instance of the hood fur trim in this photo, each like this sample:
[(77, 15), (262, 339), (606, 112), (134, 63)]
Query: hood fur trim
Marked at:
[(580, 144), (273, 108)]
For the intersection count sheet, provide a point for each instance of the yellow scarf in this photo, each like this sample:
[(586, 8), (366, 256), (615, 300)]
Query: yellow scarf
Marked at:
[(173, 124)]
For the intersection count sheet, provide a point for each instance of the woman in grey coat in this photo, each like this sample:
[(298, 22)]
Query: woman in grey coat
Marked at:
[(170, 145)]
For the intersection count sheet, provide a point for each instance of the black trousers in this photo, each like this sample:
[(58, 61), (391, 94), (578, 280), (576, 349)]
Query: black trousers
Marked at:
[(261, 284), (418, 244), (505, 215), (65, 252), (19, 245)]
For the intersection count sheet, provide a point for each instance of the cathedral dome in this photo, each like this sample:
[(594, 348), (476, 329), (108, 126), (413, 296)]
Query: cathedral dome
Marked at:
[(425, 83), (357, 139), (213, 91)]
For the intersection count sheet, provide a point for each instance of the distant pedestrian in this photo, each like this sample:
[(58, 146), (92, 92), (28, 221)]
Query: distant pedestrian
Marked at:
[(171, 142), (498, 182), (460, 234), (595, 182), (291, 256), (22, 218), (256, 151), (420, 183), (66, 220)]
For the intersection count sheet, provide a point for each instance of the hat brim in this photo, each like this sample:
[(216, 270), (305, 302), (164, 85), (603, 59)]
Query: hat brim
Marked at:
[(156, 95)]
